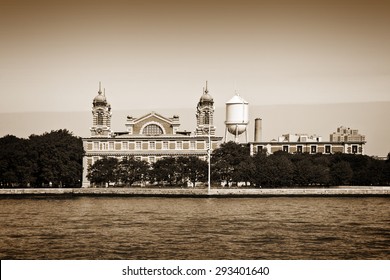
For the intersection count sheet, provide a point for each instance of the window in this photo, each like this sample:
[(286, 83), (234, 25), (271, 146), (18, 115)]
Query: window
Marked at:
[(95, 159), (259, 149), (111, 146), (313, 149), (299, 149), (152, 129), (138, 145), (354, 149), (206, 118), (152, 145), (165, 145), (99, 118), (103, 146), (192, 145), (327, 149), (96, 146), (285, 149), (125, 145), (152, 159), (179, 145)]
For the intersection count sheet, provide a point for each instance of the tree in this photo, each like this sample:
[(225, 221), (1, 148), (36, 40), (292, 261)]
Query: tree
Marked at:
[(226, 162), (192, 169), (130, 170), (311, 169), (164, 171), (341, 173), (16, 165), (103, 171), (58, 158)]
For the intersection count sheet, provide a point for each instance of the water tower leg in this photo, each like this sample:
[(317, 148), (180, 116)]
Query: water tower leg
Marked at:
[(236, 140), (226, 134)]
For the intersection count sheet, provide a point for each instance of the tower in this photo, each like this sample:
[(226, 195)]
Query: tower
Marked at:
[(237, 117), (101, 112), (205, 114)]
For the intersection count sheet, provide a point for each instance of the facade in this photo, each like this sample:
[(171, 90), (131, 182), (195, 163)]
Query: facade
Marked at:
[(344, 134), (149, 137), (303, 143)]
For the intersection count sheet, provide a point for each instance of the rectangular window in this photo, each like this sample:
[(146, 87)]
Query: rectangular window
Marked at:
[(152, 145), (165, 145), (354, 149), (179, 145), (327, 149), (299, 149), (285, 149), (111, 146), (192, 145), (152, 159), (125, 145), (259, 149), (313, 149), (96, 146), (138, 158), (138, 145)]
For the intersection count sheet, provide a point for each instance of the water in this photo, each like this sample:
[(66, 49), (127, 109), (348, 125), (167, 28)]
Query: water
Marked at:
[(195, 228)]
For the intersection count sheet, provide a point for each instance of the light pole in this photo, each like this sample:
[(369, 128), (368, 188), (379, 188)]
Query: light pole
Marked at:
[(209, 162)]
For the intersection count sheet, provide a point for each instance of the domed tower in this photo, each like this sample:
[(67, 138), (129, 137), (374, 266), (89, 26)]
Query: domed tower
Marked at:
[(205, 114), (101, 112)]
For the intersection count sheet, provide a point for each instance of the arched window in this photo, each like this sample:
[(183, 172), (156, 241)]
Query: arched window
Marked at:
[(206, 118), (152, 129), (100, 118)]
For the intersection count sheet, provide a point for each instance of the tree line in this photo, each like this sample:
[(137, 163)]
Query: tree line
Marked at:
[(167, 171), (50, 159), (232, 165)]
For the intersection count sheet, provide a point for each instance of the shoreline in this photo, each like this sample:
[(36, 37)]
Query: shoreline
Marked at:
[(202, 193)]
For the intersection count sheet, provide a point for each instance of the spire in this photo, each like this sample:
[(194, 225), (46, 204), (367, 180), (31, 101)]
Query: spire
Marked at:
[(100, 88), (206, 91)]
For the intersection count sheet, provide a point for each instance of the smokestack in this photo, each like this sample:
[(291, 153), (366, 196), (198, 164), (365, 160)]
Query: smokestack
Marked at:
[(258, 130)]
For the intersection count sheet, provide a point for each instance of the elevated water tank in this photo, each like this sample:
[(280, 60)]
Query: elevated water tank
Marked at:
[(237, 115)]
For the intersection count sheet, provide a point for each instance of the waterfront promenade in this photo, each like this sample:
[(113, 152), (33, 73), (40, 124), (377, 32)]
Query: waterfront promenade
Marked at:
[(190, 192)]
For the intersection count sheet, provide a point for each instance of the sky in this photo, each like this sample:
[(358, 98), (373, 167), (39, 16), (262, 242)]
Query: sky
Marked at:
[(158, 54)]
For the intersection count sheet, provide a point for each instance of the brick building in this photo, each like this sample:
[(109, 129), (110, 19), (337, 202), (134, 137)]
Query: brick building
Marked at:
[(149, 137)]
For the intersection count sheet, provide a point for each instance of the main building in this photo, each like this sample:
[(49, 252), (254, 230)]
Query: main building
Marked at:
[(149, 137)]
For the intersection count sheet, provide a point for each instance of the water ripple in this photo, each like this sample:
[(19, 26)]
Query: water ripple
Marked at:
[(195, 228)]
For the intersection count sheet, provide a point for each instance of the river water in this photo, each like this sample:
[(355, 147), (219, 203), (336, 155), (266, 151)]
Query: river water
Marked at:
[(195, 228)]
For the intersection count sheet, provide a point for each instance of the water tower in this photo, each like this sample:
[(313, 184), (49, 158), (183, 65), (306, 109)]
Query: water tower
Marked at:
[(237, 117)]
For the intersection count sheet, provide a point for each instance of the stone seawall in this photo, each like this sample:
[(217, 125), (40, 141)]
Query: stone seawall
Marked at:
[(167, 192)]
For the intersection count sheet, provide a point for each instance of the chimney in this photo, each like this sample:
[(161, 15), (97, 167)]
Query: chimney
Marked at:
[(258, 130)]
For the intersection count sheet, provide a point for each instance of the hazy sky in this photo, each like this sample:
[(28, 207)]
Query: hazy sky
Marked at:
[(158, 54)]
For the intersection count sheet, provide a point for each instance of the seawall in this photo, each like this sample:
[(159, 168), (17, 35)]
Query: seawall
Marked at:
[(188, 192)]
